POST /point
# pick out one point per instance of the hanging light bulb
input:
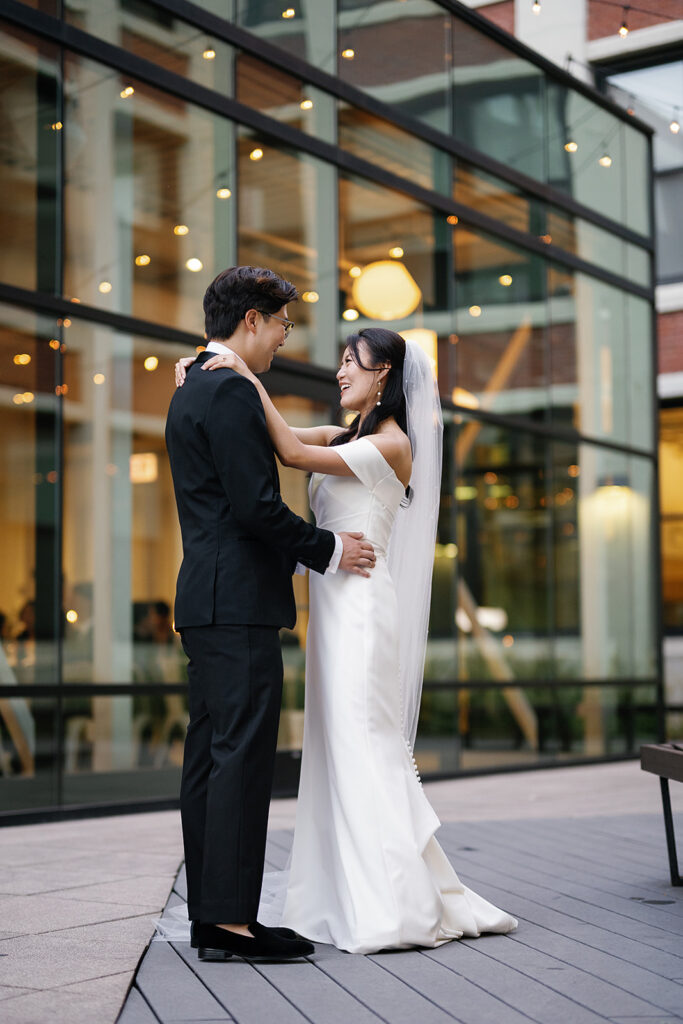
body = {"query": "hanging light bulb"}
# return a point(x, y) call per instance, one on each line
point(623, 28)
point(536, 7)
point(675, 125)
point(605, 160)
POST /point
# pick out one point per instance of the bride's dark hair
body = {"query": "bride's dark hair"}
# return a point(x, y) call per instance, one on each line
point(383, 346)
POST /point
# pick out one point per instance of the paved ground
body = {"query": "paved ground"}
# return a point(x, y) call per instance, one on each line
point(576, 854)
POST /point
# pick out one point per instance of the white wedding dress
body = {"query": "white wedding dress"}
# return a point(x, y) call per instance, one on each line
point(366, 871)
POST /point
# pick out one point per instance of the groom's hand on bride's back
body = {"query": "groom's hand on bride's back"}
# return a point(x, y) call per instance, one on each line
point(358, 555)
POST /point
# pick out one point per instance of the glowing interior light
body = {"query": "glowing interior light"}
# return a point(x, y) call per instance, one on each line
point(194, 264)
point(474, 311)
point(209, 54)
point(571, 147)
point(104, 287)
point(128, 91)
point(181, 229)
point(223, 193)
point(350, 314)
point(348, 53)
point(151, 363)
point(256, 154)
point(143, 261)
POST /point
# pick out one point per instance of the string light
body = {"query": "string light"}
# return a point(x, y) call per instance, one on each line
point(310, 296)
point(181, 229)
point(350, 314)
point(289, 13)
point(306, 104)
point(675, 124)
point(605, 160)
point(474, 311)
point(143, 261)
point(348, 53)
point(571, 147)
point(623, 28)
point(104, 287)
point(22, 359)
point(128, 91)
point(194, 264)
point(536, 7)
point(151, 363)
point(223, 193)
point(355, 272)
point(209, 55)
point(452, 219)
point(256, 154)
point(396, 252)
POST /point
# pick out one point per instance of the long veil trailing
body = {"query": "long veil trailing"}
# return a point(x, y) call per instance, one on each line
point(411, 549)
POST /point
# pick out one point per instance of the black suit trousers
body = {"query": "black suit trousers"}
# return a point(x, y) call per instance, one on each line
point(235, 691)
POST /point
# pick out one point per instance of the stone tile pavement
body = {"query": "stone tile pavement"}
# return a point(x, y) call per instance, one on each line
point(577, 854)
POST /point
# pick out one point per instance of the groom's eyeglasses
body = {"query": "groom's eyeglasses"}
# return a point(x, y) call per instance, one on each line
point(289, 324)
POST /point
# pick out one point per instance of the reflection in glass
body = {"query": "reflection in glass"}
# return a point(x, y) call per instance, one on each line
point(393, 266)
point(147, 169)
point(601, 356)
point(399, 54)
point(121, 543)
point(303, 29)
point(393, 149)
point(273, 92)
point(287, 216)
point(586, 153)
point(671, 499)
point(29, 485)
point(500, 326)
point(498, 101)
point(155, 34)
point(123, 748)
point(28, 751)
point(29, 152)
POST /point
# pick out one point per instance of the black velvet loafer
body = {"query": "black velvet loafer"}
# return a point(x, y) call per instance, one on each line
point(217, 944)
point(285, 933)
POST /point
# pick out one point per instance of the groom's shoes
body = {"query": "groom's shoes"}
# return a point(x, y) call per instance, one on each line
point(285, 933)
point(218, 944)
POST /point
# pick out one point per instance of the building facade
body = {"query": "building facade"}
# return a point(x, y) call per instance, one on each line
point(403, 162)
point(634, 55)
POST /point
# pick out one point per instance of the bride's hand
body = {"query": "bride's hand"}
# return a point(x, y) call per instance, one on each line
point(181, 368)
point(233, 362)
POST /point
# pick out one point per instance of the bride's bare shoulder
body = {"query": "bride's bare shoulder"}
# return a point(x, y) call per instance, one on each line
point(395, 447)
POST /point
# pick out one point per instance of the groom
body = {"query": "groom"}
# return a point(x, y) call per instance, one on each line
point(241, 544)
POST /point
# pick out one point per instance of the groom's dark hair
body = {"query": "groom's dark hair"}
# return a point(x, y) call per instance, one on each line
point(239, 289)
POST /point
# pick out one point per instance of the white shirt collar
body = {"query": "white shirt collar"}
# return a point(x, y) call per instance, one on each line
point(217, 346)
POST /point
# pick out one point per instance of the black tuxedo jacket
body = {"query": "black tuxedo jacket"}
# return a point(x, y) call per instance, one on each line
point(241, 542)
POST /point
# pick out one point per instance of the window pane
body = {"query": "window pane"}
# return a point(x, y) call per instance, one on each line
point(28, 749)
point(304, 29)
point(498, 101)
point(500, 326)
point(29, 496)
point(503, 535)
point(585, 152)
point(276, 94)
point(393, 268)
point(123, 748)
point(287, 221)
point(29, 149)
point(603, 564)
point(498, 198)
point(155, 34)
point(392, 149)
point(400, 55)
point(121, 537)
point(589, 355)
point(145, 227)
point(671, 498)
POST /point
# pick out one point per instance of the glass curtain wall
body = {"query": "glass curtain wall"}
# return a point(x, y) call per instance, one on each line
point(122, 196)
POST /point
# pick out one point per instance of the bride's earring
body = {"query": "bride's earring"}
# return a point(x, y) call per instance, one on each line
point(379, 396)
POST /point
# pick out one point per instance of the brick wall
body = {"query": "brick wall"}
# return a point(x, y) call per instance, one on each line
point(501, 14)
point(670, 330)
point(604, 20)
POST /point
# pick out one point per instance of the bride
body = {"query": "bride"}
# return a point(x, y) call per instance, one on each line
point(366, 871)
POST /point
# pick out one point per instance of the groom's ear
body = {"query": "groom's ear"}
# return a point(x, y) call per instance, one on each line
point(251, 320)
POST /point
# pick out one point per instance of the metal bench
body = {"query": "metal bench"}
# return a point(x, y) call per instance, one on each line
point(666, 760)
